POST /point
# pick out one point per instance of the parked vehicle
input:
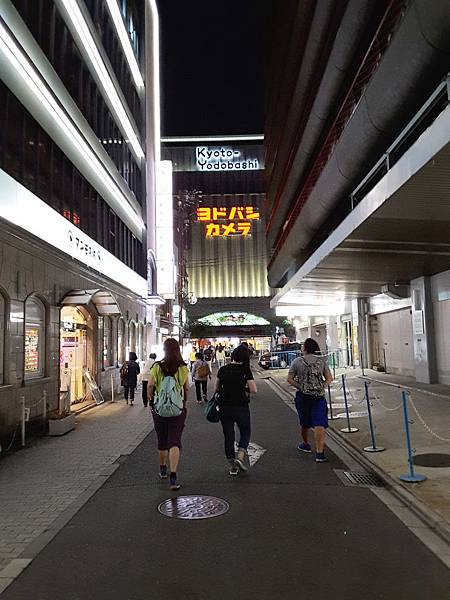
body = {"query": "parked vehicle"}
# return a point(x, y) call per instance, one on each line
point(279, 358)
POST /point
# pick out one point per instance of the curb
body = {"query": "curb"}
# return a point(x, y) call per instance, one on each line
point(423, 512)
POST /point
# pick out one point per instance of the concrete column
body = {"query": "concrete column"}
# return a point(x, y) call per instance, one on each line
point(423, 330)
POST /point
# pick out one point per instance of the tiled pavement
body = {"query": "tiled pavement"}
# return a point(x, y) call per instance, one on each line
point(51, 476)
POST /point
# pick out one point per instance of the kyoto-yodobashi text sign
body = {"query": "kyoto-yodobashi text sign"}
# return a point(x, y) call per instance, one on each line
point(227, 221)
point(223, 159)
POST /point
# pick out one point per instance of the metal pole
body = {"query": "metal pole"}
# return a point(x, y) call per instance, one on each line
point(44, 409)
point(112, 388)
point(362, 363)
point(333, 360)
point(384, 360)
point(331, 417)
point(373, 447)
point(22, 420)
point(411, 477)
point(349, 428)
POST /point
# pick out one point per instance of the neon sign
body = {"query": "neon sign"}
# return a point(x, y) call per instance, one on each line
point(223, 159)
point(227, 221)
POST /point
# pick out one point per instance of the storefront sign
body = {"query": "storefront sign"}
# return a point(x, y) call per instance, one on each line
point(227, 221)
point(223, 159)
point(22, 208)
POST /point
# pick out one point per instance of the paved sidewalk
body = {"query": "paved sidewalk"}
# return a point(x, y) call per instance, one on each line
point(433, 409)
point(41, 483)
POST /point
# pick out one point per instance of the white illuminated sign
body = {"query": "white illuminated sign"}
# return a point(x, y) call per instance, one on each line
point(164, 230)
point(22, 208)
point(223, 159)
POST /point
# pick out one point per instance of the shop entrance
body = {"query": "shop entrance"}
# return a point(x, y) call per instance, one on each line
point(73, 354)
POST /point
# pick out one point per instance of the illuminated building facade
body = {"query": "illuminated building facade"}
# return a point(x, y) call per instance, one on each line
point(79, 141)
point(219, 195)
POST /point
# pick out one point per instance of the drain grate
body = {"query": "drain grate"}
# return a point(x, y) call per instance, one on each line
point(358, 478)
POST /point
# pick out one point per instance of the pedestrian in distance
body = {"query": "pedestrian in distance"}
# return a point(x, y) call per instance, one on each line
point(201, 371)
point(192, 359)
point(208, 355)
point(168, 388)
point(129, 376)
point(309, 374)
point(234, 384)
point(220, 356)
point(145, 375)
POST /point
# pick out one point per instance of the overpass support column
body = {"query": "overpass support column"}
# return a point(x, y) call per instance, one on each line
point(423, 330)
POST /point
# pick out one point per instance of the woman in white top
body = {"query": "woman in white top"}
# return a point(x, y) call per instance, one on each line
point(220, 356)
point(145, 376)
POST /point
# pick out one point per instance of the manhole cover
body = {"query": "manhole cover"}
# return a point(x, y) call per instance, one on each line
point(432, 460)
point(358, 478)
point(193, 507)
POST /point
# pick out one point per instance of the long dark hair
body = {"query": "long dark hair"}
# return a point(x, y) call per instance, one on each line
point(172, 360)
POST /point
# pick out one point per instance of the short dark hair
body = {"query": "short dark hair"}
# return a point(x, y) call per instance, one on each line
point(245, 344)
point(152, 355)
point(132, 356)
point(239, 354)
point(311, 346)
point(199, 355)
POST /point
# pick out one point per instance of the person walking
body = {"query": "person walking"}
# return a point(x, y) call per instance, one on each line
point(200, 373)
point(220, 356)
point(234, 384)
point(208, 355)
point(309, 374)
point(145, 375)
point(168, 389)
point(128, 376)
point(192, 359)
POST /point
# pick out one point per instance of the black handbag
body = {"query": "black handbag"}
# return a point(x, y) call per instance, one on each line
point(212, 411)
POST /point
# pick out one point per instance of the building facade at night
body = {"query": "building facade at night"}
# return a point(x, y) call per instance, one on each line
point(219, 195)
point(358, 163)
point(79, 139)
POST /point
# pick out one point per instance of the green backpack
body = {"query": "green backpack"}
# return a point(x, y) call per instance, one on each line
point(169, 399)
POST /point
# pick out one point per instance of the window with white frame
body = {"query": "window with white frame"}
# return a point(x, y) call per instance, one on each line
point(34, 338)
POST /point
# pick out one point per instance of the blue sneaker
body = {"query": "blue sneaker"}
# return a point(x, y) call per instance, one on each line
point(304, 447)
point(320, 457)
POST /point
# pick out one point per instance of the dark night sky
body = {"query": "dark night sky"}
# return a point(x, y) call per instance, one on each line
point(212, 60)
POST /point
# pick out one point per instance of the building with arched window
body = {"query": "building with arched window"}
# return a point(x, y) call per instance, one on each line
point(79, 150)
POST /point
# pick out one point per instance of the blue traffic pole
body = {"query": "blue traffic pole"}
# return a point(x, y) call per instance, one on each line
point(373, 447)
point(411, 477)
point(349, 428)
point(331, 417)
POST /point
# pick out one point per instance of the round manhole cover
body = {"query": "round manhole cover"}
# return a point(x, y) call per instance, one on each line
point(193, 507)
point(432, 460)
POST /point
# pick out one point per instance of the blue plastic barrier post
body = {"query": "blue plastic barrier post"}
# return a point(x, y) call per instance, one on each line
point(331, 417)
point(349, 428)
point(411, 477)
point(373, 447)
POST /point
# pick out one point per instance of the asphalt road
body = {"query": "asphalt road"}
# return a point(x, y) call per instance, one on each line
point(293, 531)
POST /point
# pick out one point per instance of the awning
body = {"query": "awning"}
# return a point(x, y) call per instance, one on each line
point(104, 301)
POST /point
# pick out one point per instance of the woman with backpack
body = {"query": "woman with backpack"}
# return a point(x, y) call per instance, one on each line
point(200, 373)
point(309, 374)
point(169, 380)
point(234, 384)
point(128, 376)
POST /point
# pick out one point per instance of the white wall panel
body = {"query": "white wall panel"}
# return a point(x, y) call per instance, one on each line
point(395, 337)
point(442, 334)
